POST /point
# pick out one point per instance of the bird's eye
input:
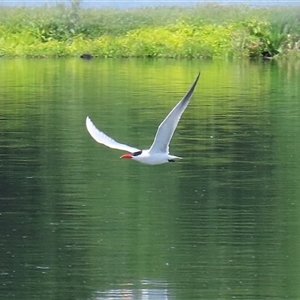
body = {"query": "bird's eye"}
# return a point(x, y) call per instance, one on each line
point(137, 153)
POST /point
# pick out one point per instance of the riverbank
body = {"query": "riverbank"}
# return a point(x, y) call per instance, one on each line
point(202, 31)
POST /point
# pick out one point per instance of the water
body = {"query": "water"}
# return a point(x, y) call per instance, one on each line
point(76, 222)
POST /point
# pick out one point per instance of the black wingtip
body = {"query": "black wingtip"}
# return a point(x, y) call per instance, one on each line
point(195, 82)
point(191, 90)
point(196, 79)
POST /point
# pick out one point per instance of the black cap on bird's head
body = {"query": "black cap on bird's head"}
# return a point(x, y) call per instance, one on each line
point(130, 155)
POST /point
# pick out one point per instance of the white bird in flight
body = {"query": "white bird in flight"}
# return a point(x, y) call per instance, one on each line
point(158, 153)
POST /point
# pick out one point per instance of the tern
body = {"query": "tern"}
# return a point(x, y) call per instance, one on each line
point(158, 153)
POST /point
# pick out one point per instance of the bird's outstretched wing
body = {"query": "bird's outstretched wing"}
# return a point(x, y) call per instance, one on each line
point(102, 138)
point(167, 127)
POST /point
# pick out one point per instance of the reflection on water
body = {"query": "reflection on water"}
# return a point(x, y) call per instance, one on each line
point(144, 293)
point(76, 222)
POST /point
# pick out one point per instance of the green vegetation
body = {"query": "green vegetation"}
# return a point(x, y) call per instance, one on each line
point(203, 31)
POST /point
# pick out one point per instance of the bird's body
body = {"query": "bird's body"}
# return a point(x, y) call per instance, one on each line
point(158, 153)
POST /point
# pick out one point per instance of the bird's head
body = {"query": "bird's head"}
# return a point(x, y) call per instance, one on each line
point(132, 155)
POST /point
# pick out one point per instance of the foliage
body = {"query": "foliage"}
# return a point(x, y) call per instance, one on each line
point(203, 31)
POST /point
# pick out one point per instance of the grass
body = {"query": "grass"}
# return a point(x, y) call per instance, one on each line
point(203, 31)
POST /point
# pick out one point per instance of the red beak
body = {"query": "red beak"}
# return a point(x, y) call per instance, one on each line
point(126, 156)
